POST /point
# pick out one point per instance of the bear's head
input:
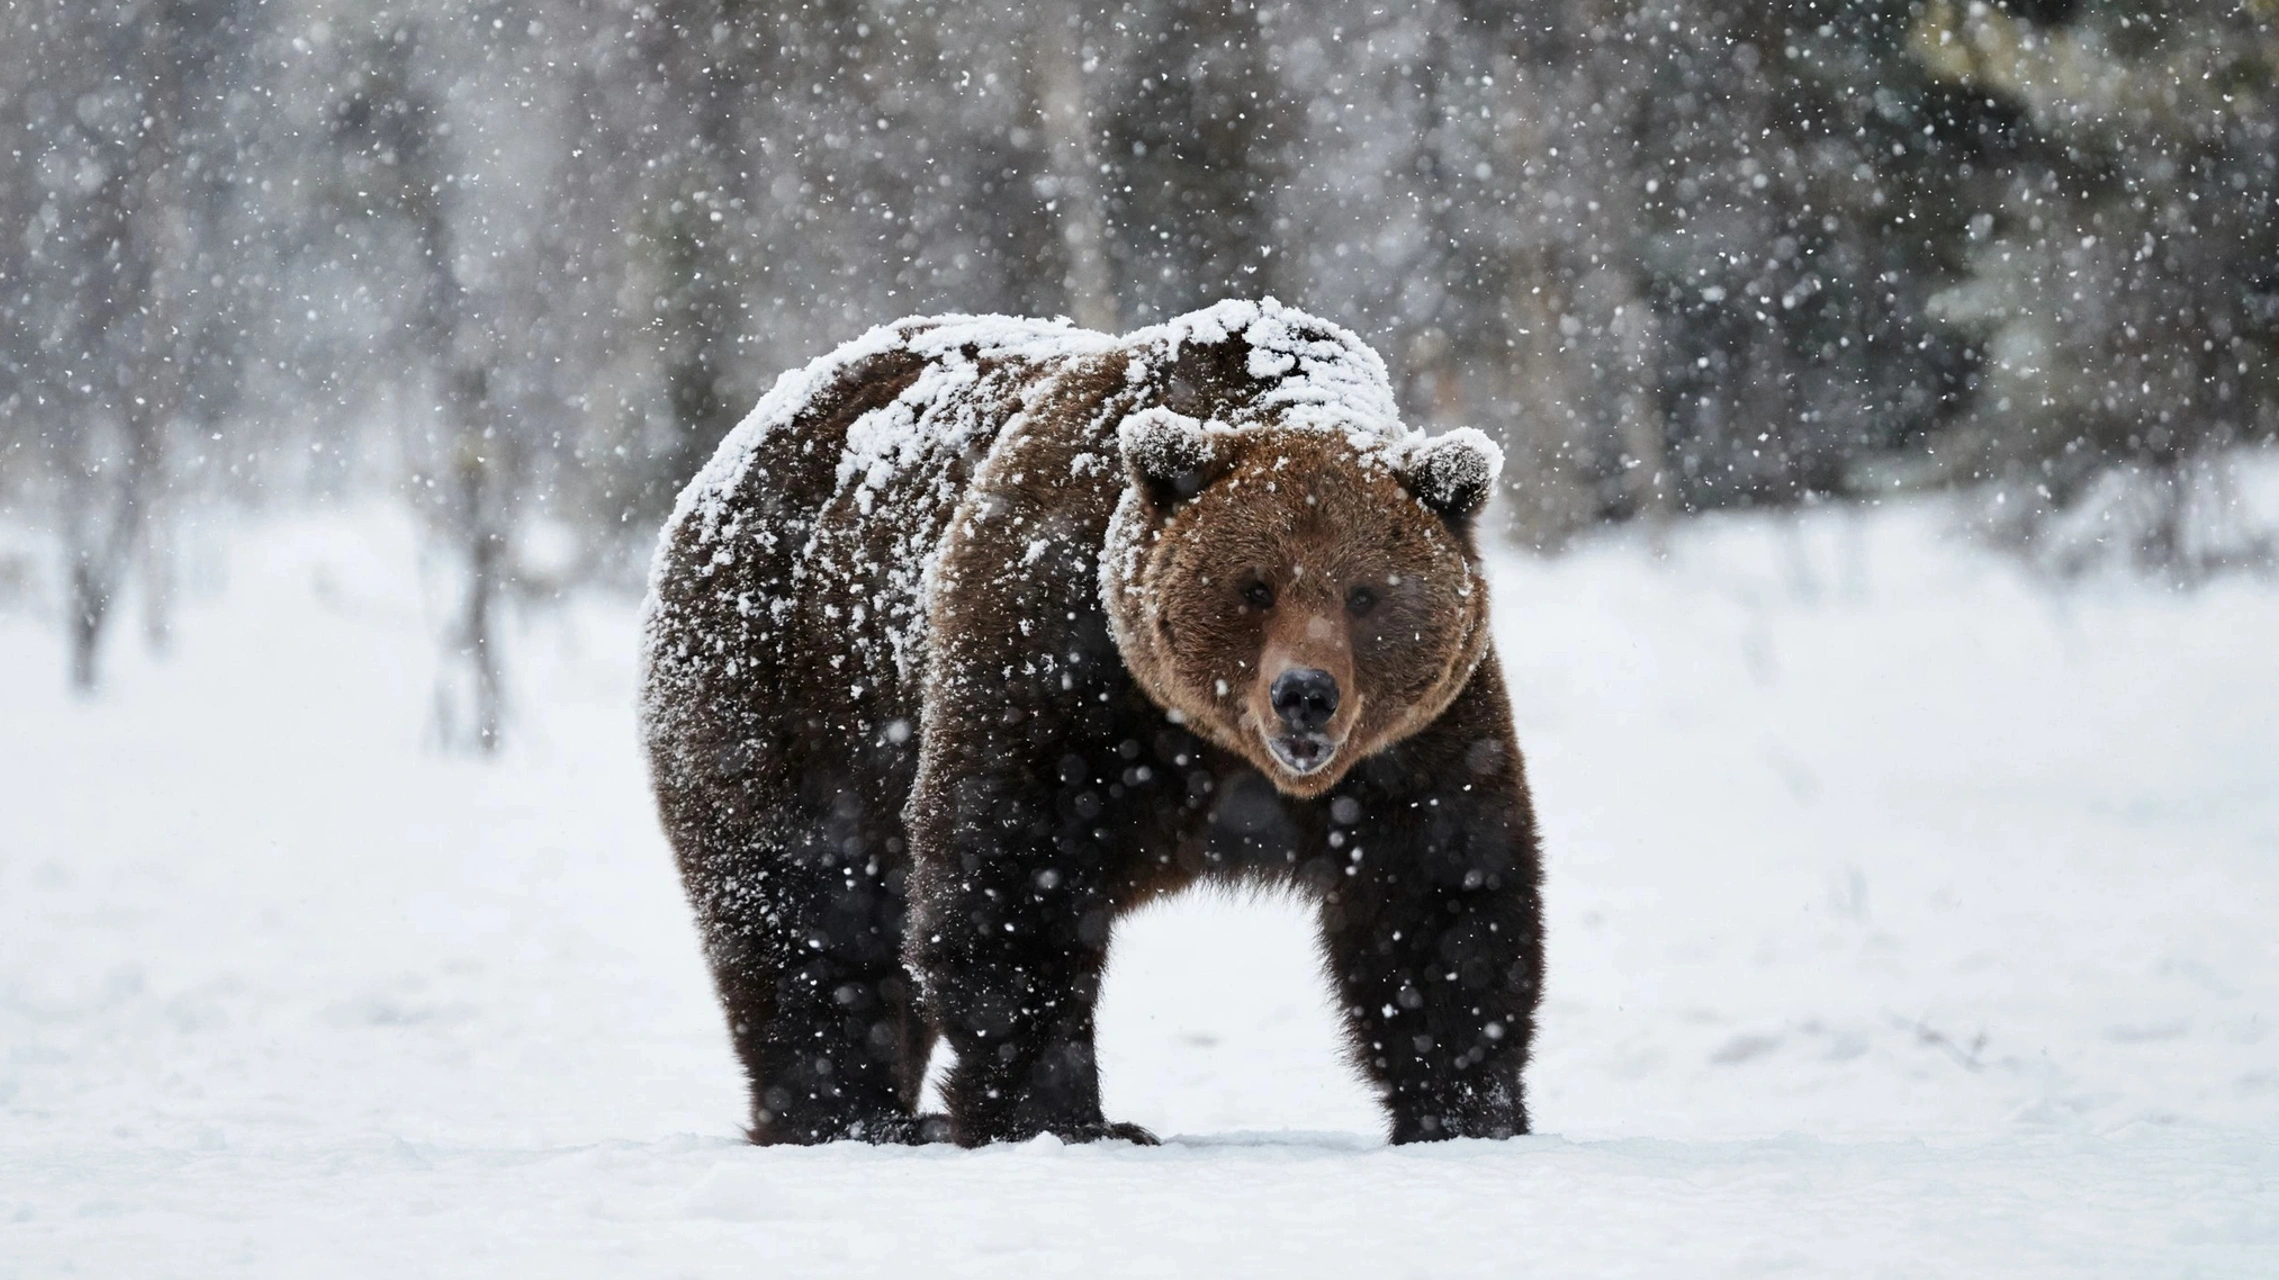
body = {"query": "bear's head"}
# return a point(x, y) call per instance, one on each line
point(1297, 594)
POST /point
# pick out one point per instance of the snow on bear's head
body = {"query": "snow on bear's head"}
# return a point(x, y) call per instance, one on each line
point(1300, 591)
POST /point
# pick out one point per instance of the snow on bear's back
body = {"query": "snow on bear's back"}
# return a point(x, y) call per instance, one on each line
point(953, 345)
point(1312, 375)
point(1317, 375)
point(1321, 375)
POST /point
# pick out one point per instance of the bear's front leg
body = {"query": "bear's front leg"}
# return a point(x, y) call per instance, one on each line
point(1433, 930)
point(1009, 936)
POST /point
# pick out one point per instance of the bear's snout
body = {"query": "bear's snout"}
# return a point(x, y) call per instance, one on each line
point(1304, 698)
point(1303, 753)
point(1305, 702)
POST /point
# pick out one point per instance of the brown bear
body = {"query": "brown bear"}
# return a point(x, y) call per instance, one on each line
point(979, 632)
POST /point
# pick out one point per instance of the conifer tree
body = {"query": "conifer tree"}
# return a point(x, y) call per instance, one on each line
point(2127, 278)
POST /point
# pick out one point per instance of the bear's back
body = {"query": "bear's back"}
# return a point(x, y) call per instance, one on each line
point(793, 571)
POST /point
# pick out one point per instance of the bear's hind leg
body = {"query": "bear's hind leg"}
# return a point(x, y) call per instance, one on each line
point(822, 1014)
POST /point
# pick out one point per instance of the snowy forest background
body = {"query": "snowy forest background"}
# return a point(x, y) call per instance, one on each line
point(523, 263)
point(1884, 584)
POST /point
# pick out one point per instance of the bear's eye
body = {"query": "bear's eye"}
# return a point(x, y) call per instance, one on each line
point(1359, 601)
point(1258, 595)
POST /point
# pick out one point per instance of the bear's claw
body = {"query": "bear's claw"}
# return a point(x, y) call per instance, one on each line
point(1106, 1129)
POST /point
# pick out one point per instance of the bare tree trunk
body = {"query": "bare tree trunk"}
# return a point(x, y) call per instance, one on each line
point(129, 328)
point(156, 570)
point(2161, 546)
point(1550, 501)
point(708, 68)
point(473, 465)
point(106, 518)
point(483, 543)
point(87, 583)
point(1074, 157)
point(98, 560)
point(702, 343)
point(85, 596)
point(1640, 426)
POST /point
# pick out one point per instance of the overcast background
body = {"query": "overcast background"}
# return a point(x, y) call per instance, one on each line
point(520, 265)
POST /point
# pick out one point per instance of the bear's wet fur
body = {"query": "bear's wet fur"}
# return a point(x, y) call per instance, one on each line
point(980, 633)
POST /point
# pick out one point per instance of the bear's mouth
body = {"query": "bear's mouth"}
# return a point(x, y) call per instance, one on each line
point(1303, 753)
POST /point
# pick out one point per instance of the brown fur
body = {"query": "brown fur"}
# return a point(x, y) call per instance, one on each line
point(1302, 515)
point(973, 807)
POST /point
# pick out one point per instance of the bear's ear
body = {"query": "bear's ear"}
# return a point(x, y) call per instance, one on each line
point(1170, 455)
point(1203, 379)
point(1453, 474)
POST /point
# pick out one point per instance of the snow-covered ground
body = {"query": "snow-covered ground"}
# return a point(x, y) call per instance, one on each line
point(1907, 918)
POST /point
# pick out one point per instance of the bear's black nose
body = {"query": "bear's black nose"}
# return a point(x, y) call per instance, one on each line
point(1305, 698)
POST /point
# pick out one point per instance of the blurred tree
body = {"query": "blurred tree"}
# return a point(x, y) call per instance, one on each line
point(394, 132)
point(1677, 254)
point(117, 103)
point(1806, 187)
point(1194, 117)
point(705, 63)
point(2127, 278)
point(1072, 188)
